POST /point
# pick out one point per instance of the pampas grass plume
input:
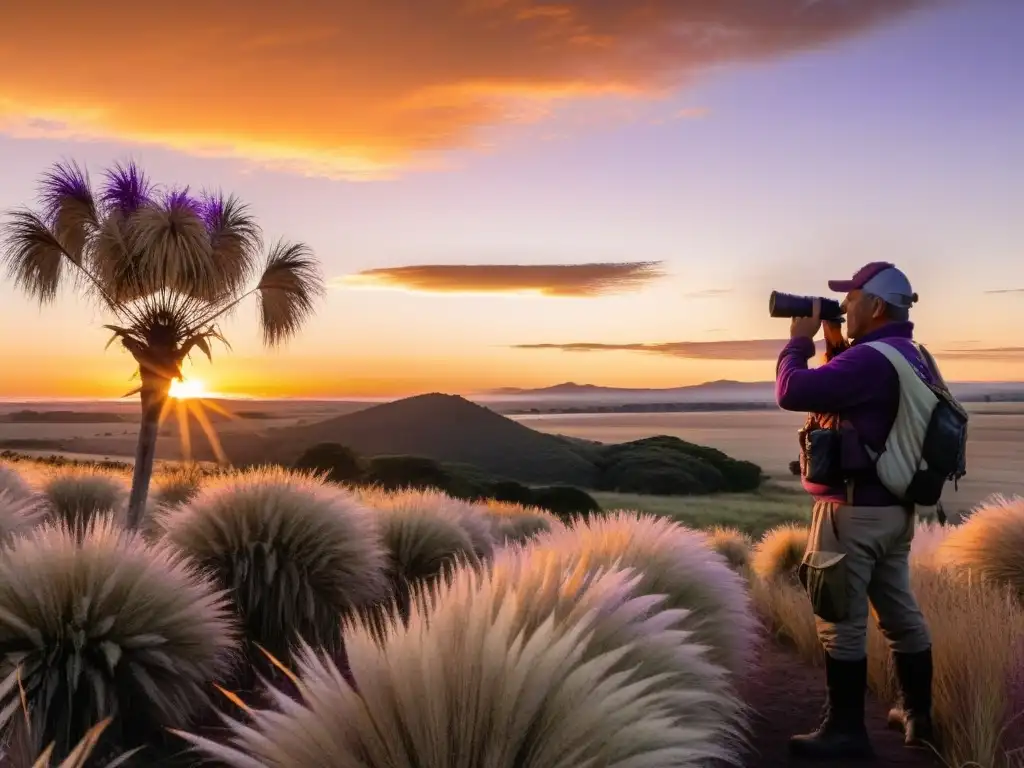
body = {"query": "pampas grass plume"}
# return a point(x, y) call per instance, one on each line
point(97, 623)
point(77, 494)
point(13, 483)
point(989, 544)
point(423, 532)
point(516, 523)
point(733, 545)
point(779, 552)
point(520, 666)
point(674, 561)
point(18, 514)
point(295, 553)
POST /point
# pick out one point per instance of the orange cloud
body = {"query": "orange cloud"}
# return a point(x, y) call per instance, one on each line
point(353, 88)
point(572, 280)
point(744, 349)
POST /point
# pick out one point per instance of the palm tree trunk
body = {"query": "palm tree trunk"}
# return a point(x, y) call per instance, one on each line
point(154, 393)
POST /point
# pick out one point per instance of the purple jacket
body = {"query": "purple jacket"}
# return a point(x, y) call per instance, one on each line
point(861, 386)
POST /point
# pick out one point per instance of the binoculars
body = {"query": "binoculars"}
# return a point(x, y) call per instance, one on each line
point(789, 305)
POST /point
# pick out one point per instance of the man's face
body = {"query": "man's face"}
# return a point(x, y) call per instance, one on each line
point(860, 311)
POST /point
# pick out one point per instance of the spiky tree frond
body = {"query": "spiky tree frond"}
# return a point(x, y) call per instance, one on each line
point(288, 288)
point(34, 257)
point(166, 264)
point(235, 239)
point(69, 209)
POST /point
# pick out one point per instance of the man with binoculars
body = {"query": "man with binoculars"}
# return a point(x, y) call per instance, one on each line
point(882, 436)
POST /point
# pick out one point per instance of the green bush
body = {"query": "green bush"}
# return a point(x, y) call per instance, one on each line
point(392, 473)
point(511, 492)
point(668, 466)
point(565, 501)
point(340, 463)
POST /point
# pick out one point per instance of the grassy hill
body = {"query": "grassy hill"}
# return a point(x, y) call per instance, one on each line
point(445, 428)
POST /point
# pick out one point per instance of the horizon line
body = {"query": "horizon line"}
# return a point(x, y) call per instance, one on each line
point(492, 392)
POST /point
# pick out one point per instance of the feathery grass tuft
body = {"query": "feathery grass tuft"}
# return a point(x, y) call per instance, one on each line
point(733, 545)
point(12, 482)
point(990, 544)
point(673, 561)
point(779, 552)
point(516, 523)
point(528, 665)
point(479, 528)
point(423, 533)
point(77, 494)
point(18, 514)
point(295, 553)
point(175, 487)
point(104, 624)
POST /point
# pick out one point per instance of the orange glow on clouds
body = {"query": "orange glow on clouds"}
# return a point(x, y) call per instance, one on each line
point(359, 89)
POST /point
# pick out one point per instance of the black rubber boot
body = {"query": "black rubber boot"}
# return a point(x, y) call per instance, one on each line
point(842, 735)
point(913, 714)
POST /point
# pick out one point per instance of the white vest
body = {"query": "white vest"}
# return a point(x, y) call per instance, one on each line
point(901, 459)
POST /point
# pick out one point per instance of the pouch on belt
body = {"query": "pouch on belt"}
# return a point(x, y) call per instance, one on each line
point(823, 576)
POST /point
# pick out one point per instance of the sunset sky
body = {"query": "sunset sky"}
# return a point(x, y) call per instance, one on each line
point(520, 193)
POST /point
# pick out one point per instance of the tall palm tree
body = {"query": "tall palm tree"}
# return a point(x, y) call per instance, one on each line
point(167, 265)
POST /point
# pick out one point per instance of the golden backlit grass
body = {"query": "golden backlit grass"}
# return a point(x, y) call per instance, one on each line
point(977, 629)
point(779, 552)
point(733, 545)
point(990, 544)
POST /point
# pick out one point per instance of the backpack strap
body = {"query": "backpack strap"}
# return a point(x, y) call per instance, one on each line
point(917, 398)
point(909, 377)
point(932, 366)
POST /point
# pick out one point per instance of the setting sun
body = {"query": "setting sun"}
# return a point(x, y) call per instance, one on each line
point(185, 389)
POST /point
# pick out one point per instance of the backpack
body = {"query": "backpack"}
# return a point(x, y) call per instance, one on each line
point(927, 444)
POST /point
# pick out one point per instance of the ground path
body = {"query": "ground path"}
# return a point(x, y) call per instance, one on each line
point(785, 695)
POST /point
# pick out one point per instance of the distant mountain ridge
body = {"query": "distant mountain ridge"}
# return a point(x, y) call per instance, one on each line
point(571, 388)
point(726, 390)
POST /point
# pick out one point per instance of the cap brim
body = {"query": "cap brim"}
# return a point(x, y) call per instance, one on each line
point(841, 286)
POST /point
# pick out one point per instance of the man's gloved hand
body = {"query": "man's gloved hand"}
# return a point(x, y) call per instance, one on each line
point(806, 326)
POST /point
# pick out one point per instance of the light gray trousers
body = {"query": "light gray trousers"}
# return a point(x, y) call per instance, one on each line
point(876, 542)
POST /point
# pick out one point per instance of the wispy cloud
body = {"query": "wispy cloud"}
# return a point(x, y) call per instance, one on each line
point(739, 349)
point(992, 354)
point(567, 280)
point(354, 89)
point(1007, 290)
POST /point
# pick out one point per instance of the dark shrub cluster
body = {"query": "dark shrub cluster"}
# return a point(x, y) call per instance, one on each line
point(668, 466)
point(341, 464)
